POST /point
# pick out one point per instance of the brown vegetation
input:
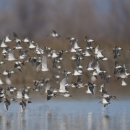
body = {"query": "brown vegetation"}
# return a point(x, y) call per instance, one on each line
point(36, 18)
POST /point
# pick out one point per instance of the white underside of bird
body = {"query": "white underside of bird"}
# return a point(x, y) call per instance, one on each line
point(104, 101)
point(123, 83)
point(76, 72)
point(88, 91)
point(73, 50)
point(1, 82)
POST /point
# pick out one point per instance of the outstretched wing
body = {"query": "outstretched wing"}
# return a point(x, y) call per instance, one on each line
point(44, 62)
point(54, 31)
point(47, 87)
point(37, 46)
point(90, 64)
point(15, 35)
point(63, 84)
point(96, 49)
point(11, 54)
point(91, 87)
point(38, 66)
point(76, 44)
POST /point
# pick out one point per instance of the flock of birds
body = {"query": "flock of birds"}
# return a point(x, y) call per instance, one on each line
point(40, 61)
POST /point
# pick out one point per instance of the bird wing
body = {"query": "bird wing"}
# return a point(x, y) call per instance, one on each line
point(37, 46)
point(47, 87)
point(76, 44)
point(62, 84)
point(91, 87)
point(96, 49)
point(15, 35)
point(11, 54)
point(99, 54)
point(44, 62)
point(89, 64)
point(54, 31)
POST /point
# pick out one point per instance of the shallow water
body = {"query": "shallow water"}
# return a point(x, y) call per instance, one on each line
point(67, 115)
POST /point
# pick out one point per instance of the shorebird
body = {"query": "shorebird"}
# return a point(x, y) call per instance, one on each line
point(11, 90)
point(66, 73)
point(88, 40)
point(54, 34)
point(23, 54)
point(103, 90)
point(116, 51)
point(18, 65)
point(38, 84)
point(71, 39)
point(117, 67)
point(22, 97)
point(7, 72)
point(56, 77)
point(122, 73)
point(90, 89)
point(98, 54)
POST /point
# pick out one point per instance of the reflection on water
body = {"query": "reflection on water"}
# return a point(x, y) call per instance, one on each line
point(63, 115)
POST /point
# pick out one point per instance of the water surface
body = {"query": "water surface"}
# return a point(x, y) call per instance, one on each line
point(67, 115)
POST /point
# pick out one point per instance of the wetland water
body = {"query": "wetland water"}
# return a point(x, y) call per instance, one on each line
point(67, 115)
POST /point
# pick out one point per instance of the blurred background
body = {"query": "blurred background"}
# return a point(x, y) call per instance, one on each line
point(107, 22)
